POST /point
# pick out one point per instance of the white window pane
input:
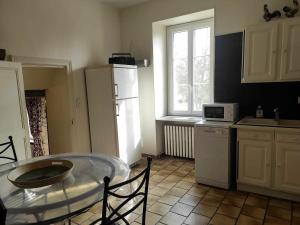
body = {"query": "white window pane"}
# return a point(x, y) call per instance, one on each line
point(180, 45)
point(201, 68)
point(201, 95)
point(202, 42)
point(180, 85)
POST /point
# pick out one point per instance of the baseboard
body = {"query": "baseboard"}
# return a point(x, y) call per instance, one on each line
point(153, 156)
point(268, 192)
point(161, 155)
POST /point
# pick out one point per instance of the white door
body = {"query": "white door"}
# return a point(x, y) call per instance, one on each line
point(260, 53)
point(290, 55)
point(128, 129)
point(288, 167)
point(13, 116)
point(125, 83)
point(255, 162)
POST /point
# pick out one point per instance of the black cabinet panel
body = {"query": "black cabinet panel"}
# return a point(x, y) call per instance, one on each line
point(228, 87)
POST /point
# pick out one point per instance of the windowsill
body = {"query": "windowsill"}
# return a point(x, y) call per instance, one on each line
point(181, 119)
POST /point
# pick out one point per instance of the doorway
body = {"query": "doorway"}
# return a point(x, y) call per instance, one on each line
point(47, 101)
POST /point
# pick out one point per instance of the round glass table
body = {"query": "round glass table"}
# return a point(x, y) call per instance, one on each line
point(54, 203)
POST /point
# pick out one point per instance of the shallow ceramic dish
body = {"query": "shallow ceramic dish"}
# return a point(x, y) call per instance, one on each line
point(41, 173)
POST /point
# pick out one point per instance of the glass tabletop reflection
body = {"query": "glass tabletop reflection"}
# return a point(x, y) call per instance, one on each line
point(53, 203)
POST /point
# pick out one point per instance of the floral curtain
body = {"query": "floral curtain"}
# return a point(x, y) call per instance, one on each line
point(36, 107)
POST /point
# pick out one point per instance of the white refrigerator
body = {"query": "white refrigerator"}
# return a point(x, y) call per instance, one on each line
point(114, 116)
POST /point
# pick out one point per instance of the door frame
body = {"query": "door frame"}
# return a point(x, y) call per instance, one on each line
point(31, 62)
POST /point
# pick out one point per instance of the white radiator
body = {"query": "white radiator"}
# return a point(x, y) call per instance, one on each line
point(179, 141)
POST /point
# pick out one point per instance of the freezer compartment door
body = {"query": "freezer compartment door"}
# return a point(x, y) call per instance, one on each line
point(128, 129)
point(125, 83)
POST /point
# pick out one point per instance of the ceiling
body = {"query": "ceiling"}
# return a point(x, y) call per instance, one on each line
point(123, 3)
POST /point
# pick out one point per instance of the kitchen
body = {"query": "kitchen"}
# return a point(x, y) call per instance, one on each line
point(240, 75)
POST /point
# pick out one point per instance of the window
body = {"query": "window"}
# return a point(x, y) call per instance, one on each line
point(190, 67)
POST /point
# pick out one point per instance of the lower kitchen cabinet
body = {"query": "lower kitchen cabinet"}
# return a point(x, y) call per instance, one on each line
point(269, 159)
point(255, 162)
point(287, 172)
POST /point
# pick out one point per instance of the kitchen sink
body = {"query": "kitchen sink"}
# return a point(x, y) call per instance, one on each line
point(269, 122)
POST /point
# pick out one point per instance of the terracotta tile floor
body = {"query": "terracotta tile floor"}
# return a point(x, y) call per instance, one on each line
point(175, 198)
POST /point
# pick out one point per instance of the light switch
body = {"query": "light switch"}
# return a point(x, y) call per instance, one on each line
point(298, 100)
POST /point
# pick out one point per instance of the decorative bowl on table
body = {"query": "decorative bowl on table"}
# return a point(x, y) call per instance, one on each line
point(41, 173)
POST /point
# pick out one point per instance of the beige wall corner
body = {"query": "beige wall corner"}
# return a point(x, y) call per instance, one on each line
point(84, 32)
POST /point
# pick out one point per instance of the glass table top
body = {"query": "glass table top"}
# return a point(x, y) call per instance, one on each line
point(53, 203)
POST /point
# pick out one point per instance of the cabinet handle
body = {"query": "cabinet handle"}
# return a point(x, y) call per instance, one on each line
point(278, 163)
point(116, 90)
point(117, 110)
point(268, 159)
point(237, 160)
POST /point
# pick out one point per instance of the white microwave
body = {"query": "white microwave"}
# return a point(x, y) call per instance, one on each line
point(221, 111)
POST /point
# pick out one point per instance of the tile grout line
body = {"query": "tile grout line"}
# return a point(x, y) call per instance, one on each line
point(217, 209)
point(237, 219)
point(177, 201)
point(192, 211)
point(268, 204)
point(188, 178)
point(169, 190)
point(292, 213)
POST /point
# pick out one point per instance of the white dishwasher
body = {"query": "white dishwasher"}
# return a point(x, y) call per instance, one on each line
point(213, 156)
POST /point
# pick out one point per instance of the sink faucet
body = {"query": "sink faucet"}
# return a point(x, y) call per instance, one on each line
point(276, 111)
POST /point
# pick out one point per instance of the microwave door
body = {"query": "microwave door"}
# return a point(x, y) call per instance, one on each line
point(216, 113)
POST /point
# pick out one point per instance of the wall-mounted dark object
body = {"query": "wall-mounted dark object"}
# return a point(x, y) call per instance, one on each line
point(268, 16)
point(289, 11)
point(122, 58)
point(2, 54)
point(228, 87)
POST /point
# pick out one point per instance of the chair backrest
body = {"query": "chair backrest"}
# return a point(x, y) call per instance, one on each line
point(3, 212)
point(115, 214)
point(8, 145)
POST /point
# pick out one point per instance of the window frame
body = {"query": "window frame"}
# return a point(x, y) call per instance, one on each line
point(189, 27)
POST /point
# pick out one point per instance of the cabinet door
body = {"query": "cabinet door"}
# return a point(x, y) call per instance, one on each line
point(287, 167)
point(260, 52)
point(290, 53)
point(255, 163)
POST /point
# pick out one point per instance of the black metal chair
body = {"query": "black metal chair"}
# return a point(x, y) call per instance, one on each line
point(115, 214)
point(3, 212)
point(7, 145)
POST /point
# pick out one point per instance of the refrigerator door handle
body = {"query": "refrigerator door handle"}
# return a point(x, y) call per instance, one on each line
point(116, 89)
point(117, 110)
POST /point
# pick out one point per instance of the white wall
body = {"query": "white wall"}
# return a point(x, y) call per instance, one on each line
point(136, 32)
point(83, 31)
point(39, 78)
